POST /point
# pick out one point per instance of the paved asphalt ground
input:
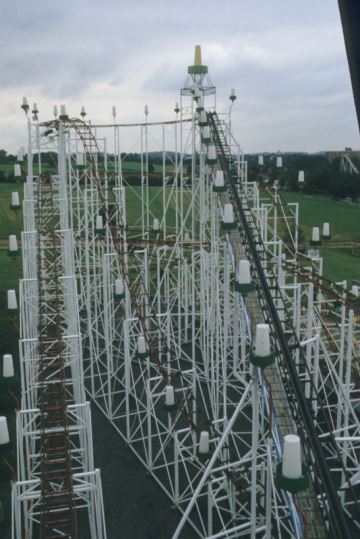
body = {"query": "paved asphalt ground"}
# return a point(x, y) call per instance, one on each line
point(135, 506)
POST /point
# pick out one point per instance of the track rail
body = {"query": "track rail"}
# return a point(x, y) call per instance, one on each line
point(57, 508)
point(123, 245)
point(315, 449)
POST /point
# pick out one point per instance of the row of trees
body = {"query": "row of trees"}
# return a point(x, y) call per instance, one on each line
point(50, 159)
point(7, 158)
point(321, 176)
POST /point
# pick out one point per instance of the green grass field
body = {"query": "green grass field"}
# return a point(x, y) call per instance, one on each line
point(9, 335)
point(344, 219)
point(10, 221)
point(7, 168)
point(127, 167)
point(133, 206)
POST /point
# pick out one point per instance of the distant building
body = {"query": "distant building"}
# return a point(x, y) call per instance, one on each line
point(330, 156)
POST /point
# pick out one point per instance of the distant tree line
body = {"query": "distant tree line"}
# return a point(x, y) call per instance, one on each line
point(7, 158)
point(50, 159)
point(7, 173)
point(321, 176)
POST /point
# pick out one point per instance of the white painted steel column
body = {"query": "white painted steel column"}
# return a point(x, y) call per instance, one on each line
point(211, 463)
point(254, 449)
point(309, 334)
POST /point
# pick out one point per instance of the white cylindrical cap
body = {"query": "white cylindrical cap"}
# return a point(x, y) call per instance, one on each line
point(63, 110)
point(141, 345)
point(4, 431)
point(326, 230)
point(291, 464)
point(8, 366)
point(15, 199)
point(243, 272)
point(212, 152)
point(262, 340)
point(232, 93)
point(279, 161)
point(228, 213)
point(355, 290)
point(35, 108)
point(20, 155)
point(219, 178)
point(83, 111)
point(301, 176)
point(13, 245)
point(25, 102)
point(113, 112)
point(260, 160)
point(156, 225)
point(17, 170)
point(187, 236)
point(99, 222)
point(169, 395)
point(202, 118)
point(200, 102)
point(55, 111)
point(11, 299)
point(80, 159)
point(315, 236)
point(197, 93)
point(119, 286)
point(204, 442)
point(206, 131)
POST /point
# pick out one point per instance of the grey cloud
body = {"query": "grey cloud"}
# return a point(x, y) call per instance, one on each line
point(54, 75)
point(296, 75)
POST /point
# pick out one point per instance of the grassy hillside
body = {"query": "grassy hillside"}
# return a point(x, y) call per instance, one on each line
point(344, 219)
point(133, 206)
point(10, 223)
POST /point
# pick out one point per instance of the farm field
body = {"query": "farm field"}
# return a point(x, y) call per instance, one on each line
point(127, 167)
point(10, 223)
point(344, 219)
point(133, 206)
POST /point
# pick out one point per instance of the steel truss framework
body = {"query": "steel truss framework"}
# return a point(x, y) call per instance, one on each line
point(59, 492)
point(178, 294)
point(326, 319)
point(314, 409)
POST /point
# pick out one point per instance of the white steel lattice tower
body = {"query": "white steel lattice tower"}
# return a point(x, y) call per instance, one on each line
point(58, 493)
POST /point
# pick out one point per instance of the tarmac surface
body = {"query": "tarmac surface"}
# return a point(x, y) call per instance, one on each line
point(135, 506)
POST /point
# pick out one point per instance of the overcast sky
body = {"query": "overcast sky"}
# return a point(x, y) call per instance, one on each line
point(285, 58)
